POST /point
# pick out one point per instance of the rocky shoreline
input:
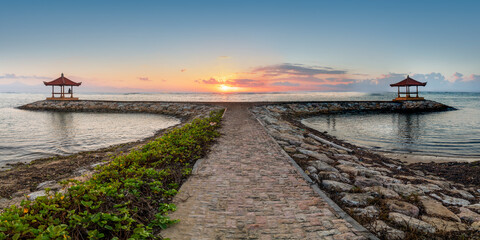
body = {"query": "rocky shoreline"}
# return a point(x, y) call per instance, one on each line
point(388, 197)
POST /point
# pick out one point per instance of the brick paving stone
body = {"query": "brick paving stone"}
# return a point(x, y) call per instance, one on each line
point(247, 189)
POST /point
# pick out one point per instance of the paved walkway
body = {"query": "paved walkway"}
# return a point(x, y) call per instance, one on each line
point(247, 189)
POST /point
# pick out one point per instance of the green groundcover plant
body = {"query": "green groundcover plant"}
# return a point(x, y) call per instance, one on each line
point(128, 198)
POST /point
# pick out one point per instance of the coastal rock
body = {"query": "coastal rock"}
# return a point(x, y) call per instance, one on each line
point(476, 226)
point(474, 207)
point(429, 187)
point(336, 176)
point(357, 170)
point(33, 195)
point(319, 156)
point(468, 215)
point(311, 169)
point(435, 208)
point(299, 156)
point(381, 191)
point(464, 194)
point(366, 182)
point(369, 212)
point(348, 169)
point(387, 179)
point(345, 157)
point(404, 189)
point(402, 207)
point(53, 185)
point(444, 226)
point(290, 149)
point(381, 227)
point(336, 186)
point(407, 221)
point(356, 199)
point(309, 147)
point(451, 200)
point(294, 140)
point(322, 166)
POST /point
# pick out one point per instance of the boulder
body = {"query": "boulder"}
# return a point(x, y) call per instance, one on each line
point(336, 186)
point(468, 215)
point(311, 169)
point(345, 157)
point(336, 176)
point(443, 225)
point(366, 182)
point(464, 194)
point(53, 185)
point(474, 207)
point(322, 166)
point(319, 156)
point(404, 189)
point(33, 195)
point(299, 156)
point(429, 187)
point(357, 199)
point(381, 191)
point(407, 221)
point(450, 200)
point(369, 212)
point(435, 208)
point(403, 207)
point(290, 149)
point(348, 169)
point(309, 147)
point(476, 226)
point(381, 228)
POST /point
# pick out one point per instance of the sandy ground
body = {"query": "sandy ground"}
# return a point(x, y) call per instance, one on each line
point(410, 158)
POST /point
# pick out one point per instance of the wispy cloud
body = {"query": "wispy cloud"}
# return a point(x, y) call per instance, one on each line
point(224, 57)
point(286, 84)
point(296, 70)
point(12, 76)
point(183, 70)
point(144, 79)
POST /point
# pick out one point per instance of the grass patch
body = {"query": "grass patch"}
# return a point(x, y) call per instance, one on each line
point(129, 198)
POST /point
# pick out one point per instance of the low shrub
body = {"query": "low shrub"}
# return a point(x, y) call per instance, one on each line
point(129, 198)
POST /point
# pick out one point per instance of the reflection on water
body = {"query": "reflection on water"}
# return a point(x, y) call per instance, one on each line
point(441, 133)
point(32, 135)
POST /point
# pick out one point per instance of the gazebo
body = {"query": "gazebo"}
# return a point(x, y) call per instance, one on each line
point(407, 95)
point(62, 82)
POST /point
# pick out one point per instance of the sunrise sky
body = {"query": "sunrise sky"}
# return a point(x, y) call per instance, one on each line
point(240, 46)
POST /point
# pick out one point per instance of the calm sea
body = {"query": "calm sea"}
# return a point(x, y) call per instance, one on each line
point(28, 135)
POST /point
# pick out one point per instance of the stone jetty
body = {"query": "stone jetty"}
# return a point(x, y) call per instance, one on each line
point(271, 177)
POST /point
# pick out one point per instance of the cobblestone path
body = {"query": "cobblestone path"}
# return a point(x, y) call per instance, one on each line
point(247, 189)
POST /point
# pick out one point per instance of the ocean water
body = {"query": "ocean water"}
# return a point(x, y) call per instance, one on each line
point(28, 135)
point(452, 133)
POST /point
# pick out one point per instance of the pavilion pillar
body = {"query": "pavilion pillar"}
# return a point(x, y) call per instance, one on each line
point(417, 91)
point(53, 91)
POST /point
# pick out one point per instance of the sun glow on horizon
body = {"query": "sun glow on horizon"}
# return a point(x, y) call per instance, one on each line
point(226, 88)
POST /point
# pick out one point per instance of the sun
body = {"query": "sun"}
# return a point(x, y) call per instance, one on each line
point(225, 88)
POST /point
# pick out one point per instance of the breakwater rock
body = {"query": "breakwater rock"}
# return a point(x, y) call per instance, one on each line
point(315, 108)
point(182, 110)
point(386, 196)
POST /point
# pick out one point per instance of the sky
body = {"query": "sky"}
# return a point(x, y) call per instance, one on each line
point(239, 46)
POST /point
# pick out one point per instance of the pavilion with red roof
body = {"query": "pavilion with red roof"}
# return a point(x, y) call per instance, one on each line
point(62, 82)
point(407, 95)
